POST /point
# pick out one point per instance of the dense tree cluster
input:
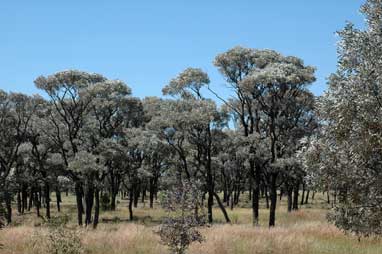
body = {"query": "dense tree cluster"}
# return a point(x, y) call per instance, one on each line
point(91, 137)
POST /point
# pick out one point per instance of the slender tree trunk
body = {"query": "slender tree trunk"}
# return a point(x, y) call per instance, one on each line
point(89, 199)
point(58, 199)
point(273, 197)
point(290, 198)
point(113, 200)
point(24, 198)
point(222, 208)
point(47, 200)
point(152, 192)
point(307, 197)
point(303, 194)
point(209, 204)
point(131, 196)
point(256, 195)
point(295, 196)
point(96, 209)
point(19, 202)
point(136, 195)
point(8, 206)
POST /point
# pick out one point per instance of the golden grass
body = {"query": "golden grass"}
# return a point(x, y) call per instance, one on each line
point(303, 232)
point(302, 238)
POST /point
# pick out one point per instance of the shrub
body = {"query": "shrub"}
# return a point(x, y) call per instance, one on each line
point(184, 215)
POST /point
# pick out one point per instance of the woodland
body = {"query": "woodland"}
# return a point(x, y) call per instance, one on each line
point(86, 167)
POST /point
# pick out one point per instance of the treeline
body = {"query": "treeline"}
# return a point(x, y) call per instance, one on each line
point(90, 136)
point(271, 137)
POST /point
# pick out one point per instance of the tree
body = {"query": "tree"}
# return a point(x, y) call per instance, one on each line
point(16, 113)
point(270, 100)
point(69, 105)
point(350, 146)
point(285, 107)
point(199, 122)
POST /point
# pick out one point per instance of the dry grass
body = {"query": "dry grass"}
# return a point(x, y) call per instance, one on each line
point(304, 238)
point(302, 232)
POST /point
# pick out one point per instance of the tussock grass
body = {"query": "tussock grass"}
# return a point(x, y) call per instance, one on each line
point(303, 232)
point(300, 238)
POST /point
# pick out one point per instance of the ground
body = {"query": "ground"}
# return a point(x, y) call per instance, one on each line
point(305, 231)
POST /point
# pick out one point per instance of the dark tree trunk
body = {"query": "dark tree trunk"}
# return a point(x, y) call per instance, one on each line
point(19, 202)
point(24, 198)
point(222, 208)
point(41, 197)
point(307, 197)
point(58, 199)
point(114, 188)
point(273, 197)
point(303, 195)
point(256, 195)
point(8, 207)
point(290, 198)
point(96, 209)
point(152, 189)
point(209, 204)
point(47, 200)
point(224, 194)
point(131, 199)
point(295, 196)
point(89, 199)
point(113, 201)
point(250, 188)
point(136, 195)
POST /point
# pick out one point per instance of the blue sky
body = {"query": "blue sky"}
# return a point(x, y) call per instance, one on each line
point(146, 43)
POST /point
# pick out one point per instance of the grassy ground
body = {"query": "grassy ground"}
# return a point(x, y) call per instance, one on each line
point(304, 231)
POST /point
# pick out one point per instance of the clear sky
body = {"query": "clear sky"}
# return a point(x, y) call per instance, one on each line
point(146, 43)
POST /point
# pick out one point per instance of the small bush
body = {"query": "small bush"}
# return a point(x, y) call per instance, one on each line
point(58, 239)
point(184, 215)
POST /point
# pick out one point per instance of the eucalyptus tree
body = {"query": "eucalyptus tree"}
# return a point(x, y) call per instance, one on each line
point(16, 113)
point(234, 163)
point(279, 89)
point(90, 168)
point(235, 65)
point(199, 122)
point(351, 109)
point(156, 161)
point(112, 109)
point(37, 153)
point(270, 97)
point(134, 171)
point(69, 104)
